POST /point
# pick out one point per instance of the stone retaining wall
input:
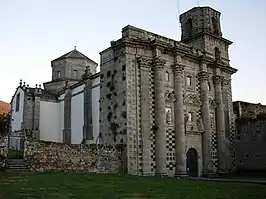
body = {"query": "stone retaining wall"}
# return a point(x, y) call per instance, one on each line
point(47, 156)
point(3, 151)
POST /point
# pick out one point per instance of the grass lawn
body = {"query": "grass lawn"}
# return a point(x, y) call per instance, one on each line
point(73, 185)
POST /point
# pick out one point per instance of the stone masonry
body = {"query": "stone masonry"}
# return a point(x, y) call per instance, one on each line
point(172, 96)
point(46, 157)
point(250, 136)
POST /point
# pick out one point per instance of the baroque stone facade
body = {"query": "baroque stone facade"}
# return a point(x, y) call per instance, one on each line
point(163, 97)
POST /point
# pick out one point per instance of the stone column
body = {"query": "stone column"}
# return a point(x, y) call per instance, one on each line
point(180, 137)
point(220, 124)
point(144, 65)
point(206, 137)
point(160, 126)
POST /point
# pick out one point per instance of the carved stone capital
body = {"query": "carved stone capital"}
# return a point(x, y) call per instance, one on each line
point(144, 62)
point(217, 79)
point(178, 69)
point(203, 76)
point(158, 63)
point(226, 82)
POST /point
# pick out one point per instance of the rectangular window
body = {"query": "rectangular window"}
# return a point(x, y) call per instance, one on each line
point(58, 74)
point(75, 74)
point(17, 102)
point(189, 81)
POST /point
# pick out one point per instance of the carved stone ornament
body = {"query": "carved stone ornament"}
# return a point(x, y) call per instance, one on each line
point(200, 124)
point(169, 97)
point(212, 103)
point(158, 63)
point(226, 82)
point(178, 68)
point(192, 100)
point(217, 79)
point(144, 62)
point(203, 76)
point(168, 117)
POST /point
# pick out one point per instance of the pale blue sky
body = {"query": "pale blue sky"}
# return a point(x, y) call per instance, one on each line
point(35, 32)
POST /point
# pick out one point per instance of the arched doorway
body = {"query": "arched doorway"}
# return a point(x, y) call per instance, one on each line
point(192, 162)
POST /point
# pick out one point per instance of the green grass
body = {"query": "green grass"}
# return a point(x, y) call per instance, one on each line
point(71, 185)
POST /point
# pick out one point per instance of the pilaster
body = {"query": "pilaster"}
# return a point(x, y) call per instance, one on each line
point(180, 137)
point(88, 127)
point(145, 65)
point(221, 140)
point(205, 111)
point(67, 116)
point(160, 126)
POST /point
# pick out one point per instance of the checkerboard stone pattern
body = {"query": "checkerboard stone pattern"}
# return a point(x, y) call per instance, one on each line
point(138, 128)
point(170, 151)
point(152, 119)
point(214, 150)
point(232, 127)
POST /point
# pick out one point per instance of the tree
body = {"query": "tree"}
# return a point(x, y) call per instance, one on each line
point(4, 123)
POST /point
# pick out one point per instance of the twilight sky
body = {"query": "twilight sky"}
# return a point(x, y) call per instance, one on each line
point(35, 32)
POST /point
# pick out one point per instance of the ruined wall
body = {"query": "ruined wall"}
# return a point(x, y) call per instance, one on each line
point(47, 156)
point(251, 144)
point(3, 151)
point(113, 112)
point(250, 136)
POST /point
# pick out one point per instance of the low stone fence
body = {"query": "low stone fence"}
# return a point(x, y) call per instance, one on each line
point(49, 156)
point(3, 152)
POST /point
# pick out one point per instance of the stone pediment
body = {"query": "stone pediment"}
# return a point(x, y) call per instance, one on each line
point(192, 100)
point(169, 96)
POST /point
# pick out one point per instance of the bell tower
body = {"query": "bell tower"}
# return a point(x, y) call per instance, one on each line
point(201, 29)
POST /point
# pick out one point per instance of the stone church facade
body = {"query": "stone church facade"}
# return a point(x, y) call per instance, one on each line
point(170, 102)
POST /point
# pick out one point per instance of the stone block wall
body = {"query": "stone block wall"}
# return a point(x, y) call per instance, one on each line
point(3, 151)
point(47, 156)
point(251, 144)
point(113, 110)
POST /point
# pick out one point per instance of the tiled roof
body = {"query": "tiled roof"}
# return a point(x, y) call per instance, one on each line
point(73, 54)
point(4, 107)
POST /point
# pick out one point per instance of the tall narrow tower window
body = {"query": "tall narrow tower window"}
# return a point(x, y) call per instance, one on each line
point(215, 26)
point(189, 27)
point(58, 74)
point(217, 54)
point(167, 77)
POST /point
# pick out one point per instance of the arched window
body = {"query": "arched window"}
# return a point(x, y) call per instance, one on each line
point(217, 54)
point(215, 26)
point(189, 27)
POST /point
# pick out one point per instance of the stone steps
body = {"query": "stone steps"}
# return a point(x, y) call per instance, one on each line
point(17, 165)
